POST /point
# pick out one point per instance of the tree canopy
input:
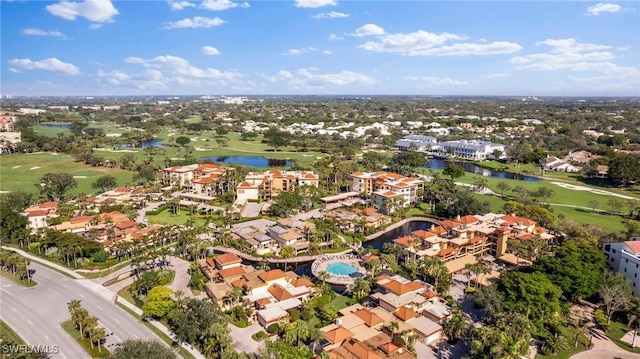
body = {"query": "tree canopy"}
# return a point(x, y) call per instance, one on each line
point(53, 186)
point(139, 349)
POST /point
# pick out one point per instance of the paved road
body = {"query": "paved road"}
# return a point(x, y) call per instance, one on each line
point(36, 313)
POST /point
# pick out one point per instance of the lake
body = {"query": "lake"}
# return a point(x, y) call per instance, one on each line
point(403, 230)
point(58, 125)
point(251, 161)
point(437, 163)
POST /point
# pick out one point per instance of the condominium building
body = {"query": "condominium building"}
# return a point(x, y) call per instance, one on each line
point(7, 123)
point(268, 184)
point(624, 258)
point(471, 150)
point(206, 179)
point(418, 143)
point(389, 190)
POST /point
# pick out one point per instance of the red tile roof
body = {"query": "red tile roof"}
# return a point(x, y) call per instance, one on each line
point(231, 272)
point(370, 319)
point(338, 335)
point(279, 293)
point(406, 313)
point(39, 213)
point(227, 259)
point(634, 245)
point(271, 275)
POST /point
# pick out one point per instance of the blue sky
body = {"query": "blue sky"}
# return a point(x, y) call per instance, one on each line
point(221, 47)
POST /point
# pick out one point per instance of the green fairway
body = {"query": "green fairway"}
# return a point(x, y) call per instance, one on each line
point(21, 172)
point(193, 119)
point(50, 130)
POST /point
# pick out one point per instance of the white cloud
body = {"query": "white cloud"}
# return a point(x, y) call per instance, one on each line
point(309, 79)
point(315, 3)
point(285, 74)
point(567, 54)
point(333, 36)
point(180, 5)
point(196, 22)
point(368, 30)
point(40, 32)
point(94, 10)
point(180, 67)
point(327, 52)
point(331, 15)
point(95, 26)
point(439, 81)
point(299, 51)
point(146, 80)
point(424, 43)
point(221, 5)
point(14, 70)
point(602, 7)
point(497, 76)
point(210, 50)
point(51, 64)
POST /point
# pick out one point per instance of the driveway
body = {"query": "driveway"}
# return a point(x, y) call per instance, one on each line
point(242, 340)
point(251, 210)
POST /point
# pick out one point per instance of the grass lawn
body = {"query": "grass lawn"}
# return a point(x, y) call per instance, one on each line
point(193, 119)
point(21, 172)
point(50, 131)
point(107, 127)
point(10, 334)
point(339, 302)
point(104, 272)
point(95, 351)
point(16, 280)
point(616, 332)
point(167, 218)
point(583, 343)
point(124, 293)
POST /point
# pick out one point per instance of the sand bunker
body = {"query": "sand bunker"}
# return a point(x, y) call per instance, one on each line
point(592, 190)
point(14, 167)
point(33, 168)
point(79, 176)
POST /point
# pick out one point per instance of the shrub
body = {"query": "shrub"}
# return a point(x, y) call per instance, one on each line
point(397, 340)
point(273, 328)
point(294, 314)
point(100, 256)
point(165, 277)
point(601, 319)
point(259, 336)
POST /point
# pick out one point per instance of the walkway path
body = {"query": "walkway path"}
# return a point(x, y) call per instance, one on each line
point(589, 189)
point(253, 258)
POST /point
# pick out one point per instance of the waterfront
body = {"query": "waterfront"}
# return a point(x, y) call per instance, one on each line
point(250, 161)
point(379, 239)
point(439, 163)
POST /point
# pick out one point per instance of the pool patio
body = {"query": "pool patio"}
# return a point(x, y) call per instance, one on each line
point(322, 264)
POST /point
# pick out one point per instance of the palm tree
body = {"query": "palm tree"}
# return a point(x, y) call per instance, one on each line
point(634, 320)
point(286, 252)
point(578, 328)
point(97, 335)
point(455, 326)
point(393, 326)
point(556, 343)
point(90, 323)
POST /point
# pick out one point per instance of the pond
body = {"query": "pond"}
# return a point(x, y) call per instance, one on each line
point(251, 161)
point(403, 230)
point(156, 142)
point(437, 163)
point(58, 125)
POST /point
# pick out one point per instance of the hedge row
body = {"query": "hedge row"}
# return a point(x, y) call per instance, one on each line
point(160, 209)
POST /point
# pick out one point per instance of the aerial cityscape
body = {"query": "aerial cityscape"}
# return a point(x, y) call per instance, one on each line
point(319, 179)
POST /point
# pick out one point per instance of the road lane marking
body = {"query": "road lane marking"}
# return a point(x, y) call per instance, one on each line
point(4, 290)
point(30, 322)
point(81, 295)
point(14, 309)
point(117, 321)
point(137, 337)
point(45, 336)
point(64, 356)
point(99, 307)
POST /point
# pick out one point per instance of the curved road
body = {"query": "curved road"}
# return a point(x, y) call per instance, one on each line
point(36, 313)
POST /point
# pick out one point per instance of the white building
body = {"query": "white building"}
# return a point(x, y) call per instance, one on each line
point(387, 188)
point(470, 149)
point(417, 142)
point(624, 258)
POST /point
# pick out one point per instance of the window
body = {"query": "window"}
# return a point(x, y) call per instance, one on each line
point(626, 260)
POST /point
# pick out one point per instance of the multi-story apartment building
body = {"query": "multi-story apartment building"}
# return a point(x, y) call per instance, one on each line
point(389, 190)
point(206, 179)
point(471, 150)
point(460, 241)
point(268, 184)
point(417, 142)
point(7, 123)
point(624, 258)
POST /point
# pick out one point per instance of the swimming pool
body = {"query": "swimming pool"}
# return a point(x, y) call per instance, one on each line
point(341, 268)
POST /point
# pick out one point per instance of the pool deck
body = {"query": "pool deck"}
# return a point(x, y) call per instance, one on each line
point(321, 264)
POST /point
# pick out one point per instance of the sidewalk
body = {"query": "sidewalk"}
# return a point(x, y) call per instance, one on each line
point(91, 285)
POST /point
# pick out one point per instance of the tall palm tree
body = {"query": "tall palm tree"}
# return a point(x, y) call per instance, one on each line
point(579, 327)
point(97, 335)
point(286, 252)
point(634, 319)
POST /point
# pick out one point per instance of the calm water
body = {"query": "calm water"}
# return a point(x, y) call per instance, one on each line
point(251, 161)
point(58, 125)
point(398, 232)
point(341, 268)
point(156, 142)
point(437, 163)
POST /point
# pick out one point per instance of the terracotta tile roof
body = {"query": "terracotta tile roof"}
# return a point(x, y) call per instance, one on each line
point(370, 257)
point(633, 245)
point(398, 288)
point(302, 282)
point(389, 348)
point(469, 219)
point(438, 230)
point(263, 301)
point(231, 272)
point(370, 319)
point(48, 204)
point(80, 219)
point(446, 251)
point(369, 211)
point(239, 283)
point(361, 350)
point(516, 219)
point(39, 213)
point(245, 184)
point(338, 335)
point(407, 242)
point(450, 224)
point(126, 224)
point(271, 275)
point(429, 294)
point(227, 259)
point(279, 292)
point(405, 313)
point(421, 233)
